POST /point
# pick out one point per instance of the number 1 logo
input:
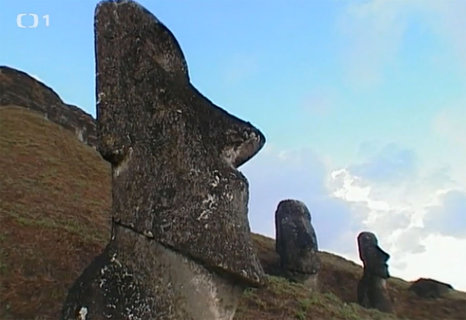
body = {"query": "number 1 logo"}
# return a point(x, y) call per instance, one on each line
point(35, 21)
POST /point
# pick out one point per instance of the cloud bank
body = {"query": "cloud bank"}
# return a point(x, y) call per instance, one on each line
point(385, 194)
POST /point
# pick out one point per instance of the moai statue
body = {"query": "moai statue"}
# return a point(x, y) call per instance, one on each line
point(372, 289)
point(180, 246)
point(296, 242)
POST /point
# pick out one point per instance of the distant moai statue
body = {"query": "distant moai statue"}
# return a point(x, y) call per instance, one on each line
point(296, 242)
point(372, 289)
point(180, 246)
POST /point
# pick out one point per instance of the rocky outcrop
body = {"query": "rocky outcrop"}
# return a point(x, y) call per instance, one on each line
point(430, 288)
point(180, 245)
point(372, 288)
point(296, 241)
point(17, 88)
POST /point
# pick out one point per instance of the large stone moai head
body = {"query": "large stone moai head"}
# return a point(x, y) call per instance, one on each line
point(372, 290)
point(181, 235)
point(296, 241)
point(373, 257)
point(174, 153)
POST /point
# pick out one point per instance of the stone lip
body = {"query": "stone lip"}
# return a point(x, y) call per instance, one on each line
point(174, 153)
point(20, 89)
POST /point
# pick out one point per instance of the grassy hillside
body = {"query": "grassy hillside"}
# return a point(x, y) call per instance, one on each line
point(336, 298)
point(55, 200)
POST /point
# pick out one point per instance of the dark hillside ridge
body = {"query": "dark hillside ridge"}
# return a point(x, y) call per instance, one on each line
point(17, 88)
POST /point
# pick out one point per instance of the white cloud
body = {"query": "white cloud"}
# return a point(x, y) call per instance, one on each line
point(449, 123)
point(390, 164)
point(351, 189)
point(342, 204)
point(449, 216)
point(409, 241)
point(443, 259)
point(406, 217)
point(275, 175)
point(382, 216)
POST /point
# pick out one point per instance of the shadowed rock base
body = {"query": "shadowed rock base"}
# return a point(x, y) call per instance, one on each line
point(430, 288)
point(311, 282)
point(138, 278)
point(372, 293)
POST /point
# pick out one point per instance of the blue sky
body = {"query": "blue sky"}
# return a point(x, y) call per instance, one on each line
point(362, 103)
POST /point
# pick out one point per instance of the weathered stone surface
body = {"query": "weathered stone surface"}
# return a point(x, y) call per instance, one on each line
point(372, 289)
point(174, 154)
point(430, 288)
point(138, 278)
point(296, 241)
point(181, 246)
point(17, 88)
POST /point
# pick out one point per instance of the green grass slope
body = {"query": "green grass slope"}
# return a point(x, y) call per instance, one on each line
point(336, 299)
point(54, 218)
point(55, 199)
